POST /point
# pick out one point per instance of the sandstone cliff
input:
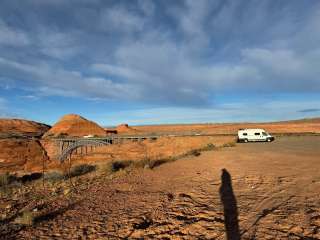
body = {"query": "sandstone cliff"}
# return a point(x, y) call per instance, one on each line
point(21, 128)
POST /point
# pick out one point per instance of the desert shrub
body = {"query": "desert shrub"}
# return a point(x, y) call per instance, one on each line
point(208, 147)
point(117, 165)
point(81, 170)
point(54, 176)
point(144, 163)
point(30, 177)
point(4, 179)
point(158, 162)
point(26, 218)
point(229, 144)
point(194, 152)
point(105, 168)
point(114, 166)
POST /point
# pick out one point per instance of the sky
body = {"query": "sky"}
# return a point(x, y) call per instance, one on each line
point(159, 62)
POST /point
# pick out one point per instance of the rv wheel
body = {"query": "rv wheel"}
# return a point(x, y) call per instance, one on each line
point(246, 140)
point(268, 140)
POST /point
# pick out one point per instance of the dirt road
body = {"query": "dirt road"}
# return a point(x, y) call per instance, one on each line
point(266, 191)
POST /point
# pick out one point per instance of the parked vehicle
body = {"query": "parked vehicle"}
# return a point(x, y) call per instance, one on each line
point(254, 135)
point(88, 136)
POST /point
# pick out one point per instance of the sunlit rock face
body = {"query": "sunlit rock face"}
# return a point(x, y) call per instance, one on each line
point(75, 126)
point(21, 155)
point(21, 128)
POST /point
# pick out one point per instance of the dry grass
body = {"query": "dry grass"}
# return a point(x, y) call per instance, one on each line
point(4, 179)
point(229, 144)
point(147, 163)
point(26, 218)
point(81, 169)
point(54, 176)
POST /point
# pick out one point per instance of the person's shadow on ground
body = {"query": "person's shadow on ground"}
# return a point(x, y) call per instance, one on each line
point(230, 209)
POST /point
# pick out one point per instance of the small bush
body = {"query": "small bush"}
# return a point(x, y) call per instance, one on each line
point(114, 166)
point(4, 179)
point(105, 168)
point(209, 147)
point(54, 176)
point(144, 163)
point(230, 144)
point(81, 170)
point(26, 218)
point(194, 152)
point(158, 162)
point(117, 165)
point(30, 177)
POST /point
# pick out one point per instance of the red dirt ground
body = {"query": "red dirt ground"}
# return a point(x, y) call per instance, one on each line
point(269, 190)
point(297, 126)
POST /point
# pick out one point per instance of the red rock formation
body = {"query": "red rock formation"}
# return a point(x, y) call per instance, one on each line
point(21, 155)
point(19, 127)
point(125, 129)
point(75, 126)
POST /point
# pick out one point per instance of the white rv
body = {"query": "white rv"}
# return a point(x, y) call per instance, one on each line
point(254, 135)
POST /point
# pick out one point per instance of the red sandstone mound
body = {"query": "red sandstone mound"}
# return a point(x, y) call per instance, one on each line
point(21, 155)
point(125, 129)
point(19, 127)
point(75, 126)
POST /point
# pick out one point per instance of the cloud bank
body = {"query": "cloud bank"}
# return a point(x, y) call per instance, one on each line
point(178, 54)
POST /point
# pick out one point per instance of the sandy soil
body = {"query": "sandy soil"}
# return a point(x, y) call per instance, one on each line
point(297, 126)
point(162, 148)
point(266, 191)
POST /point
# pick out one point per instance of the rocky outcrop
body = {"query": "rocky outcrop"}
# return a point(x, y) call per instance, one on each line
point(75, 126)
point(125, 129)
point(21, 155)
point(21, 128)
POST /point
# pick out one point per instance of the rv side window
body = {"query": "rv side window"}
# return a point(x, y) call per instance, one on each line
point(245, 134)
point(257, 134)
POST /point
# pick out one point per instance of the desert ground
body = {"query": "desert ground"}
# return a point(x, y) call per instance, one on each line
point(247, 191)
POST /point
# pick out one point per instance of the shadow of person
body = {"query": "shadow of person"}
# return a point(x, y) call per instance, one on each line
point(230, 209)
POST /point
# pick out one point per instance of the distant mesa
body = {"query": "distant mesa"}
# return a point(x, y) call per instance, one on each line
point(73, 125)
point(21, 128)
point(124, 128)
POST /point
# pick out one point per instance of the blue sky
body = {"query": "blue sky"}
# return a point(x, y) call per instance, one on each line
point(153, 62)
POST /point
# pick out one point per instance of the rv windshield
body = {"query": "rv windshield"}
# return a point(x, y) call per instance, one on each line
point(264, 134)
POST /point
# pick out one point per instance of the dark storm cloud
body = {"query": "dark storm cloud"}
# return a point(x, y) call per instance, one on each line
point(175, 53)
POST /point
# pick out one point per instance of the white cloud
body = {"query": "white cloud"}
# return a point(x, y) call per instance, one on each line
point(147, 7)
point(57, 44)
point(178, 54)
point(274, 110)
point(57, 81)
point(119, 71)
point(120, 19)
point(12, 37)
